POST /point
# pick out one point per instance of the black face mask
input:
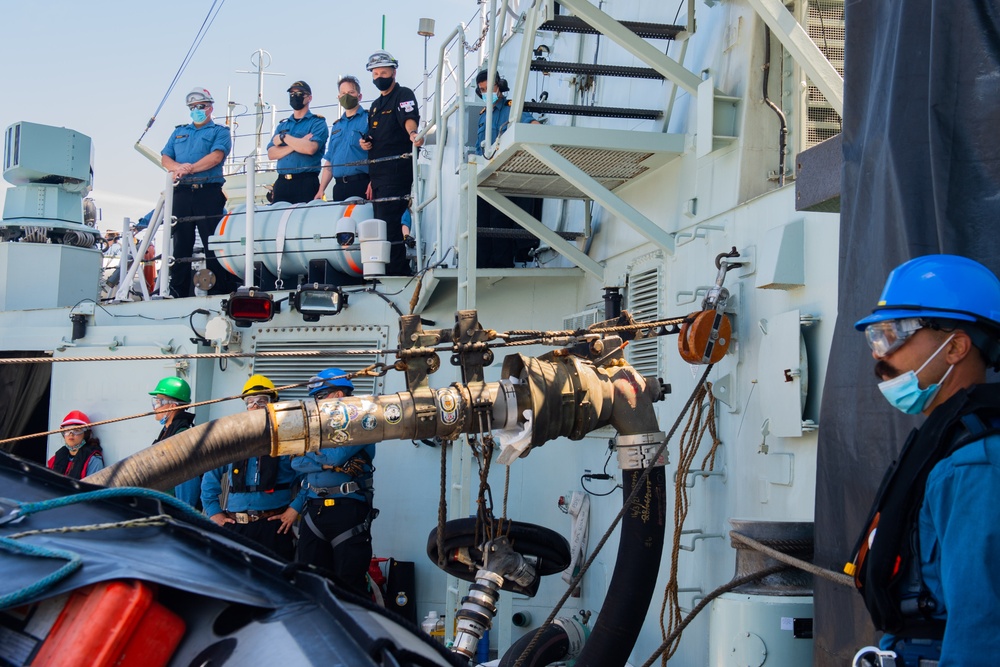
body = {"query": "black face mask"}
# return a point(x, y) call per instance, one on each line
point(297, 102)
point(384, 83)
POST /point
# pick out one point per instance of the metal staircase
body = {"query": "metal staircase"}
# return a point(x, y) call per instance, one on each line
point(586, 163)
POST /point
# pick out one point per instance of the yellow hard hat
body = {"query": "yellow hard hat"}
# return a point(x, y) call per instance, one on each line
point(259, 384)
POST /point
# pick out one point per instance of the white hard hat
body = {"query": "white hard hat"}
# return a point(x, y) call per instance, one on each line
point(198, 95)
point(381, 59)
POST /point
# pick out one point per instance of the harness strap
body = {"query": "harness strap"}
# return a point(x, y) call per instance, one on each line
point(345, 489)
point(363, 527)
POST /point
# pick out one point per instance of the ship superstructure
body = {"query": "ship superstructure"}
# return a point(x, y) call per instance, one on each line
point(665, 161)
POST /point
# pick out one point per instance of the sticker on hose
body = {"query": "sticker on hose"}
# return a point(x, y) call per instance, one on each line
point(393, 413)
point(339, 417)
point(448, 402)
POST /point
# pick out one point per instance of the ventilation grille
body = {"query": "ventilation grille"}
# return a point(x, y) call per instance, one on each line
point(644, 305)
point(826, 28)
point(582, 320)
point(294, 369)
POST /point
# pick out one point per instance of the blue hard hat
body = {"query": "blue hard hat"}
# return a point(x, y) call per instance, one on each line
point(939, 287)
point(329, 379)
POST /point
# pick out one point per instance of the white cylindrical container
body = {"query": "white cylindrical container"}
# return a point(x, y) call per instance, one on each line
point(288, 236)
point(429, 624)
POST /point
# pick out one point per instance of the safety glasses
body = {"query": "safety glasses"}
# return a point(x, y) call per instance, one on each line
point(887, 336)
point(256, 401)
point(160, 402)
point(75, 431)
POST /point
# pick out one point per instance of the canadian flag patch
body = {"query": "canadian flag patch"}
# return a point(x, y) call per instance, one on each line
point(407, 106)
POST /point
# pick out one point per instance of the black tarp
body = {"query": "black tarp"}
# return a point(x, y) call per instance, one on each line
point(921, 175)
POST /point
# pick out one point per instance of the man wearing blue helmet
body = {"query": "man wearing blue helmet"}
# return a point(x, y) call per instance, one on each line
point(926, 563)
point(337, 492)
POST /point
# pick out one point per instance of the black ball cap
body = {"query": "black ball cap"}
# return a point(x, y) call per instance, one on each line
point(301, 85)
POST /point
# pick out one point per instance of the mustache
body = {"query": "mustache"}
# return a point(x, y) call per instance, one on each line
point(883, 369)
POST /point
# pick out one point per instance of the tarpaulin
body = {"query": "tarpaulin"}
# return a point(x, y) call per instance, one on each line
point(921, 175)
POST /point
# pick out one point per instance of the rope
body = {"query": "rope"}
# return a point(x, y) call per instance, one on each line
point(74, 563)
point(529, 338)
point(369, 370)
point(694, 432)
point(725, 588)
point(829, 575)
point(442, 560)
point(614, 524)
point(143, 522)
point(25, 509)
point(203, 355)
point(20, 596)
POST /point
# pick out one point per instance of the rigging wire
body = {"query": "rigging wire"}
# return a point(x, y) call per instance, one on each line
point(206, 23)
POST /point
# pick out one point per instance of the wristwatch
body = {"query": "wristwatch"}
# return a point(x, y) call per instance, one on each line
point(282, 137)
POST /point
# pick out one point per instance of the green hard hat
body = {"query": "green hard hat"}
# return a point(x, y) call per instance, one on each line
point(174, 387)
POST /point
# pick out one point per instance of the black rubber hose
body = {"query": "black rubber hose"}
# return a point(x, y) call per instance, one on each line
point(631, 587)
point(191, 453)
point(642, 531)
point(552, 646)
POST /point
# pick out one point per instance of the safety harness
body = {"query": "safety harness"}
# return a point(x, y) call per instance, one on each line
point(267, 476)
point(363, 483)
point(883, 561)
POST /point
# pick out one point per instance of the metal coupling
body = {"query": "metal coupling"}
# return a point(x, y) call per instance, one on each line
point(872, 656)
point(500, 557)
point(476, 614)
point(637, 451)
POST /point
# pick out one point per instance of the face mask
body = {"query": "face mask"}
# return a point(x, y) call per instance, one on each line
point(384, 83)
point(348, 101)
point(904, 393)
point(297, 102)
point(198, 116)
point(493, 98)
point(163, 421)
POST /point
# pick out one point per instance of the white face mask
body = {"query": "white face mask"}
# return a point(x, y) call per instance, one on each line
point(904, 393)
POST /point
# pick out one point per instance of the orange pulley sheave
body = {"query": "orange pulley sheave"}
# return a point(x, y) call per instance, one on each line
point(704, 338)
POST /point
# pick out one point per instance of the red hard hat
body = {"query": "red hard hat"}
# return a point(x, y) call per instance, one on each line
point(73, 418)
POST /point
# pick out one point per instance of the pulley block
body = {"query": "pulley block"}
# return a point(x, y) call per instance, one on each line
point(704, 337)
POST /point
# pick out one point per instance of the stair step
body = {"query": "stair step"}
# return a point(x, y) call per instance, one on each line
point(565, 23)
point(600, 112)
point(548, 66)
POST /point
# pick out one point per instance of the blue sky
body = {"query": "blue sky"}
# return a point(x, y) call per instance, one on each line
point(101, 68)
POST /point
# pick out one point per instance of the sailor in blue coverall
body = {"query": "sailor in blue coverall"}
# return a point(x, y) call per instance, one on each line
point(343, 147)
point(335, 499)
point(194, 154)
point(933, 335)
point(251, 497)
point(498, 252)
point(297, 145)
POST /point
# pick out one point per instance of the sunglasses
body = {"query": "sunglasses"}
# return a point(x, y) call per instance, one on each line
point(202, 107)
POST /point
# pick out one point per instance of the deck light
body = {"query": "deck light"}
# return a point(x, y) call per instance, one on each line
point(246, 306)
point(318, 301)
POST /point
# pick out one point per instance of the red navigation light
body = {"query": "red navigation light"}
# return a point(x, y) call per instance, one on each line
point(245, 307)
